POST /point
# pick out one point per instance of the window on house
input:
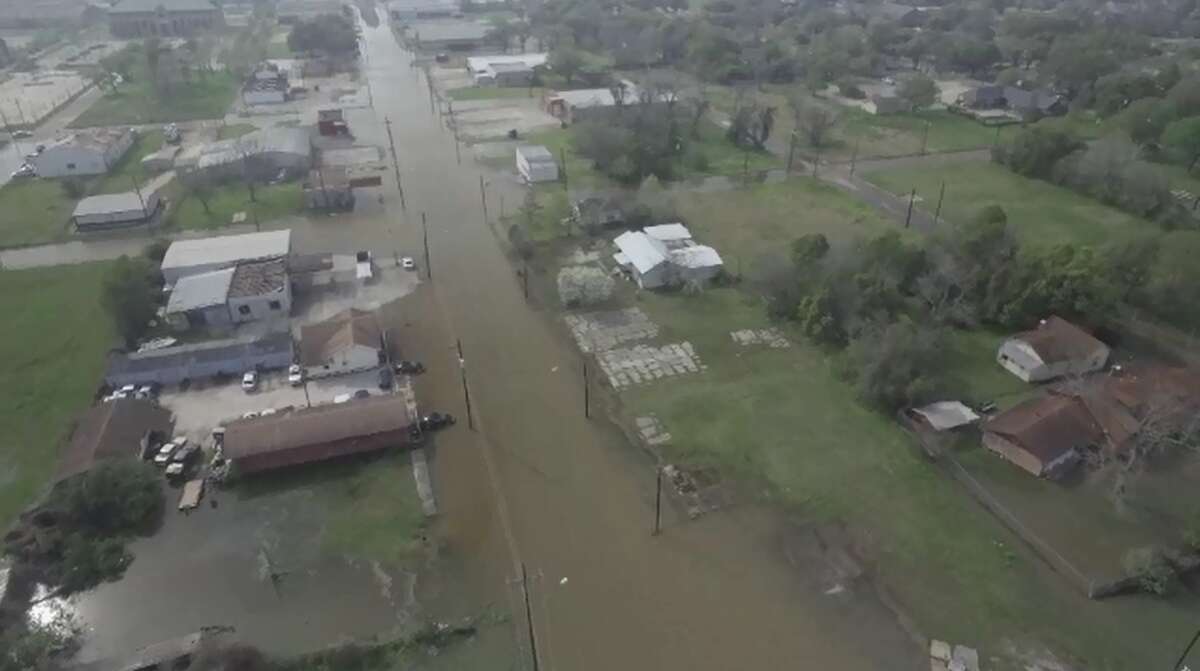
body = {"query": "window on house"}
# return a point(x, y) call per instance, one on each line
point(70, 166)
point(244, 309)
point(275, 305)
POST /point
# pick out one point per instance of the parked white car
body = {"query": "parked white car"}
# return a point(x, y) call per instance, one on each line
point(295, 375)
point(408, 263)
point(250, 381)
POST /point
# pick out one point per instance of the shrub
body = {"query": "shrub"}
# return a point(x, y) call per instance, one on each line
point(1150, 567)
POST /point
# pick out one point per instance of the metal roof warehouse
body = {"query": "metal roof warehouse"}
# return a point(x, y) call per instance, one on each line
point(171, 365)
point(190, 257)
point(318, 433)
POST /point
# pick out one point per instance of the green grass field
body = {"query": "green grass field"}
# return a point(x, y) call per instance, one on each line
point(53, 346)
point(1040, 213)
point(272, 202)
point(235, 130)
point(206, 96)
point(786, 421)
point(494, 92)
point(129, 169)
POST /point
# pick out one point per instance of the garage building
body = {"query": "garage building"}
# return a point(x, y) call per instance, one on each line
point(172, 365)
point(317, 434)
point(192, 257)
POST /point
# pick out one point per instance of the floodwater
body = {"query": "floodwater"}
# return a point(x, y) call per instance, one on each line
point(536, 485)
point(539, 484)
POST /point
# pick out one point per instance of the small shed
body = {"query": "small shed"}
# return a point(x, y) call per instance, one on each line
point(696, 263)
point(110, 211)
point(536, 164)
point(944, 415)
point(887, 102)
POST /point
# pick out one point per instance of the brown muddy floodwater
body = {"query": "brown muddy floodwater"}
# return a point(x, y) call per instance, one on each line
point(536, 484)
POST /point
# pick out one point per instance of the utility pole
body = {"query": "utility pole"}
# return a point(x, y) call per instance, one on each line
point(562, 159)
point(462, 367)
point(925, 137)
point(525, 281)
point(745, 167)
point(587, 393)
point(791, 152)
point(816, 162)
point(854, 155)
point(24, 121)
point(138, 190)
point(658, 501)
point(529, 618)
point(387, 123)
point(8, 129)
point(938, 212)
point(425, 234)
point(911, 198)
point(482, 198)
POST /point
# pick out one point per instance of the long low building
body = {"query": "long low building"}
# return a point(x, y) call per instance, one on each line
point(201, 255)
point(111, 211)
point(317, 434)
point(172, 365)
point(251, 290)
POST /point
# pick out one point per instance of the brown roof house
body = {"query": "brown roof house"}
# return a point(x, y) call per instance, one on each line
point(318, 433)
point(347, 342)
point(1054, 349)
point(1046, 436)
point(117, 429)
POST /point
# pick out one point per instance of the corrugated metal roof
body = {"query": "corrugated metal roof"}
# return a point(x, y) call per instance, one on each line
point(109, 203)
point(696, 256)
point(644, 252)
point(256, 278)
point(1057, 339)
point(944, 415)
point(195, 292)
point(200, 353)
point(96, 139)
point(135, 6)
point(668, 232)
point(535, 153)
point(437, 31)
point(319, 425)
point(481, 63)
point(227, 249)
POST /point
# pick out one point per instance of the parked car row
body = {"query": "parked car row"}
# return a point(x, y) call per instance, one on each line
point(142, 392)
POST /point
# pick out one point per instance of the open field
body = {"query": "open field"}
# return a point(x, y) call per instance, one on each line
point(785, 419)
point(1040, 213)
point(271, 202)
point(206, 95)
point(53, 347)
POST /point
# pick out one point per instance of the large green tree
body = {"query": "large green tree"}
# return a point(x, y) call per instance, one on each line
point(1182, 139)
point(131, 295)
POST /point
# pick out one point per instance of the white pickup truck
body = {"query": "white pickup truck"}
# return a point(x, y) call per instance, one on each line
point(364, 266)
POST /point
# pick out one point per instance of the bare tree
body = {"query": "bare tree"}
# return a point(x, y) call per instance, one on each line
point(814, 120)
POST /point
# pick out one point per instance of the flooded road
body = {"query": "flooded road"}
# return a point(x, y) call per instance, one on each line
point(540, 484)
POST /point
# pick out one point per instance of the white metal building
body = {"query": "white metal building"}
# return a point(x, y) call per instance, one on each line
point(114, 210)
point(695, 263)
point(85, 152)
point(199, 301)
point(410, 10)
point(664, 255)
point(190, 257)
point(536, 164)
point(644, 257)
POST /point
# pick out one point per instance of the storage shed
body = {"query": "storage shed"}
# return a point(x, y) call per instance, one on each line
point(111, 211)
point(536, 164)
point(172, 365)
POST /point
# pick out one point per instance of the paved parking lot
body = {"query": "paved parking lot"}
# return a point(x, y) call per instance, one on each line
point(204, 406)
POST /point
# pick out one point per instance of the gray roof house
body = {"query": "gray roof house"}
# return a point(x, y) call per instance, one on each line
point(1036, 102)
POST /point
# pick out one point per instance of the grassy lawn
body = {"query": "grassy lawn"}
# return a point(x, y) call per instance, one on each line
point(235, 130)
point(579, 170)
point(494, 92)
point(746, 224)
point(272, 202)
point(1040, 212)
point(33, 211)
point(971, 365)
point(129, 169)
point(53, 347)
point(374, 511)
point(786, 420)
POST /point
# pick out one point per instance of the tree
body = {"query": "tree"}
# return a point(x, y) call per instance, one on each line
point(152, 50)
point(1173, 277)
point(1035, 151)
point(200, 186)
point(1146, 119)
point(155, 251)
point(114, 498)
point(501, 32)
point(1150, 568)
point(331, 34)
point(38, 644)
point(751, 125)
point(894, 366)
point(130, 294)
point(815, 121)
point(89, 561)
point(74, 187)
point(1182, 138)
point(809, 249)
point(567, 61)
point(918, 90)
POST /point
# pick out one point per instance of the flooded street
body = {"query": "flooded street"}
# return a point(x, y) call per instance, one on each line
point(540, 484)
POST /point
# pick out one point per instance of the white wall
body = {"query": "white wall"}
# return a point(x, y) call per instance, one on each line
point(259, 307)
point(349, 360)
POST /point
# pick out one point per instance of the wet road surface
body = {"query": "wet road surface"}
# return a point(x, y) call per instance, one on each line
point(539, 484)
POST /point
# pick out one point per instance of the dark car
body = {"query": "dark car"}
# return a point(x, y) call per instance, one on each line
point(437, 420)
point(410, 367)
point(386, 379)
point(362, 393)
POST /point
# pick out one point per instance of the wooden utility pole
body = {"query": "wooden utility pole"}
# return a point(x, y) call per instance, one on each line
point(533, 651)
point(387, 123)
point(938, 212)
point(525, 281)
point(854, 155)
point(462, 368)
point(587, 393)
point(908, 217)
point(791, 152)
point(483, 199)
point(658, 501)
point(925, 138)
point(425, 232)
point(816, 162)
point(562, 160)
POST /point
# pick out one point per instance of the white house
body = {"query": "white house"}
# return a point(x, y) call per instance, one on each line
point(347, 342)
point(536, 164)
point(85, 152)
point(190, 257)
point(505, 70)
point(1054, 349)
point(645, 258)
